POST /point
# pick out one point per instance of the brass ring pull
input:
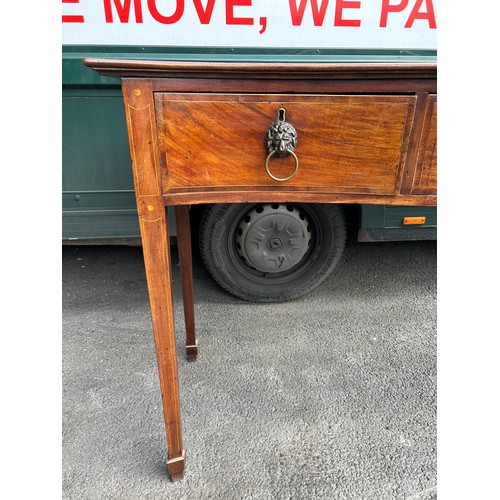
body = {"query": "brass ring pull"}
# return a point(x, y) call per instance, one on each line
point(281, 140)
point(284, 178)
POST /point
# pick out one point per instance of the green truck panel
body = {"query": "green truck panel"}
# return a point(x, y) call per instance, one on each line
point(98, 194)
point(385, 223)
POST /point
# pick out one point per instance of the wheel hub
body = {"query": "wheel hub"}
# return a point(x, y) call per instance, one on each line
point(274, 243)
point(273, 238)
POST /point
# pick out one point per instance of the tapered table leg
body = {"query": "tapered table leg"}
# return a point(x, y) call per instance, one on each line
point(186, 263)
point(139, 106)
point(155, 244)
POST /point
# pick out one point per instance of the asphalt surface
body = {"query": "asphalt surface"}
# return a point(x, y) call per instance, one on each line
point(332, 396)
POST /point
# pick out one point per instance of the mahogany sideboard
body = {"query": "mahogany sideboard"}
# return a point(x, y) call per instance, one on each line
point(212, 132)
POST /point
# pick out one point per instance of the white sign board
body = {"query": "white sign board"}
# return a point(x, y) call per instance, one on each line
point(357, 24)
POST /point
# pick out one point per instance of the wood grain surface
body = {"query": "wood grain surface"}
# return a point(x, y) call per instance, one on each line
point(346, 144)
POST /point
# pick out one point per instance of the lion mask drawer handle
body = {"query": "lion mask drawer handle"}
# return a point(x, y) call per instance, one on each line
point(281, 140)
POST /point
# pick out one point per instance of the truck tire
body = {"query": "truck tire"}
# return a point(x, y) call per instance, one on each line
point(271, 252)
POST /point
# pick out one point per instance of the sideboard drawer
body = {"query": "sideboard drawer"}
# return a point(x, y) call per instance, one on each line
point(425, 179)
point(346, 143)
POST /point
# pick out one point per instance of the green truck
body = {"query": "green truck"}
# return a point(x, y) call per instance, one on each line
point(98, 204)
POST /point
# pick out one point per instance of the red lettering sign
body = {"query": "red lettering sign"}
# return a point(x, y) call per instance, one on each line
point(230, 19)
point(123, 10)
point(398, 23)
point(179, 10)
point(297, 13)
point(204, 14)
point(72, 18)
point(416, 14)
point(346, 4)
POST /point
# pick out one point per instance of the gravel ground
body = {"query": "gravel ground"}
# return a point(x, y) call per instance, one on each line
point(332, 396)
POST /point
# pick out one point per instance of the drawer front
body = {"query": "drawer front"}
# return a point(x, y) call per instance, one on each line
point(425, 179)
point(346, 144)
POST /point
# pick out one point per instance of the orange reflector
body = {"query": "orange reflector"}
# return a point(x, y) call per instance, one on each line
point(413, 220)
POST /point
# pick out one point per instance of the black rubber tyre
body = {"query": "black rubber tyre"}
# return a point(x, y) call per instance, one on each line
point(271, 252)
